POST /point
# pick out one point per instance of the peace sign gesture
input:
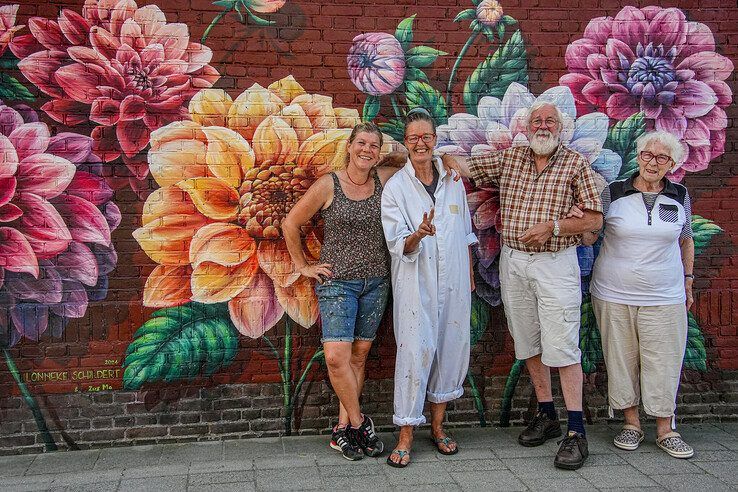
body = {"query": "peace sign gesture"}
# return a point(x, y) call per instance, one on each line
point(426, 227)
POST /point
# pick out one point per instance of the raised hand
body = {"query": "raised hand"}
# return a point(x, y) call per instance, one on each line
point(426, 227)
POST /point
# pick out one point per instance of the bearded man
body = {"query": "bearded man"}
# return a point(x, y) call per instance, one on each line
point(539, 271)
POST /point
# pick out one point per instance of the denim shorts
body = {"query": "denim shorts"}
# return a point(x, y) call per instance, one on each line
point(352, 309)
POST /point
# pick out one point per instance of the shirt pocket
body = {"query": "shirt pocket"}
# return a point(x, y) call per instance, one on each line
point(668, 213)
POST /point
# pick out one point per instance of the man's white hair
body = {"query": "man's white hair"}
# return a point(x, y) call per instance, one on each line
point(540, 104)
point(676, 150)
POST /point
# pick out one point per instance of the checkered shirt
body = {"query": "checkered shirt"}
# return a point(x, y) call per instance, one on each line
point(528, 198)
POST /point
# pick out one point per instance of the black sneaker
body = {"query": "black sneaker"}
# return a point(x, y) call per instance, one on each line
point(573, 451)
point(342, 441)
point(539, 430)
point(367, 439)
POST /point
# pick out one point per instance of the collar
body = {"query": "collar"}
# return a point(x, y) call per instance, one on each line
point(436, 162)
point(552, 158)
point(669, 190)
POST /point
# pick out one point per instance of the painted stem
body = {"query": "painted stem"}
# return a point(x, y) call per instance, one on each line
point(316, 356)
point(462, 53)
point(287, 378)
point(509, 391)
point(396, 106)
point(214, 22)
point(31, 402)
point(477, 399)
point(276, 356)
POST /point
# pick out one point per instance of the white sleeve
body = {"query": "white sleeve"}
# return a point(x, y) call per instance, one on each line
point(396, 228)
point(471, 238)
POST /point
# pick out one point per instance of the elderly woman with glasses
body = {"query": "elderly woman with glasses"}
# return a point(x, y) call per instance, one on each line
point(642, 289)
point(428, 230)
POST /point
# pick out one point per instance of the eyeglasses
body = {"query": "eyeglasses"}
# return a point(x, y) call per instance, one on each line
point(661, 159)
point(426, 137)
point(548, 122)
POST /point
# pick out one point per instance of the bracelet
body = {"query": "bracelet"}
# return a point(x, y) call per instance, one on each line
point(689, 275)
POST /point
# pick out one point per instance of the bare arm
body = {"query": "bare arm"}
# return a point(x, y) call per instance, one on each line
point(317, 197)
point(572, 226)
point(687, 246)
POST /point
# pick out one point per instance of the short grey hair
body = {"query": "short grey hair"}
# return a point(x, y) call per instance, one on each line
point(540, 104)
point(676, 151)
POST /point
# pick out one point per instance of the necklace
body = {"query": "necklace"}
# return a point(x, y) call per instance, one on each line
point(354, 182)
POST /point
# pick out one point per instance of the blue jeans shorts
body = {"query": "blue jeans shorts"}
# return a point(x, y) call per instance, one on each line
point(352, 309)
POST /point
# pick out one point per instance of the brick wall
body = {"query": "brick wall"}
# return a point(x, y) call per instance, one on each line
point(67, 336)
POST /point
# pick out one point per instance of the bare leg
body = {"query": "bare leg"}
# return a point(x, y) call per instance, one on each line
point(404, 443)
point(359, 353)
point(438, 411)
point(631, 416)
point(540, 374)
point(343, 379)
point(571, 385)
point(663, 426)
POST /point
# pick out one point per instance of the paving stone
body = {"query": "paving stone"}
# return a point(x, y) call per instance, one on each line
point(605, 477)
point(361, 484)
point(158, 484)
point(252, 448)
point(290, 479)
point(690, 482)
point(191, 452)
point(660, 464)
point(64, 461)
point(489, 480)
point(517, 451)
point(15, 465)
point(224, 487)
point(131, 457)
point(279, 462)
point(221, 466)
point(91, 487)
point(569, 484)
point(473, 465)
point(604, 460)
point(417, 474)
point(20, 483)
point(724, 470)
point(363, 468)
point(197, 479)
point(307, 445)
point(155, 471)
point(716, 455)
point(535, 468)
point(88, 477)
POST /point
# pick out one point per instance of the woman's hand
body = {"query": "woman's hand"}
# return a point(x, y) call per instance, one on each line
point(688, 290)
point(319, 272)
point(426, 227)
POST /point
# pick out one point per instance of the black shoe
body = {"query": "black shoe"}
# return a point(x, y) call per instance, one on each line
point(367, 439)
point(341, 440)
point(539, 430)
point(573, 452)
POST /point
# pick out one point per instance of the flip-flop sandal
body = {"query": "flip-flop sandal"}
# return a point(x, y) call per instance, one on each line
point(401, 453)
point(446, 441)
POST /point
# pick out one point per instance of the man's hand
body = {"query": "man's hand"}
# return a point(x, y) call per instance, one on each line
point(576, 211)
point(426, 227)
point(451, 166)
point(538, 234)
point(319, 272)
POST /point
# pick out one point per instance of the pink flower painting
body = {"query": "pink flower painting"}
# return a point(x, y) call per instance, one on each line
point(653, 60)
point(7, 26)
point(376, 63)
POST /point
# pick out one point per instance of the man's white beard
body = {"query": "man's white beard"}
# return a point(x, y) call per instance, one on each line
point(544, 146)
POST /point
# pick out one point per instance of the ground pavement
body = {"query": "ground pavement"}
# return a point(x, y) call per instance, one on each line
point(489, 459)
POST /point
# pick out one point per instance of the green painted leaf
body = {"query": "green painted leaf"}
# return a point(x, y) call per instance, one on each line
point(703, 231)
point(258, 20)
point(621, 139)
point(12, 90)
point(508, 20)
point(181, 342)
point(422, 94)
point(8, 61)
point(492, 77)
point(479, 318)
point(395, 128)
point(371, 108)
point(465, 14)
point(225, 3)
point(501, 31)
point(404, 32)
point(415, 74)
point(695, 357)
point(589, 338)
point(422, 56)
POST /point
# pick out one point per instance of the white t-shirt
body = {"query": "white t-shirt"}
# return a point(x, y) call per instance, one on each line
point(640, 262)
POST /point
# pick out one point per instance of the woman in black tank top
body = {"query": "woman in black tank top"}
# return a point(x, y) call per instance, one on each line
point(352, 277)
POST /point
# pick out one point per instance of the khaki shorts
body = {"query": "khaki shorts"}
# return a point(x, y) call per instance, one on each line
point(644, 350)
point(542, 297)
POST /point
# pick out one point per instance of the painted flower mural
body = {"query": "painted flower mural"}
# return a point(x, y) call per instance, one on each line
point(7, 25)
point(228, 179)
point(499, 124)
point(56, 217)
point(653, 60)
point(120, 66)
point(376, 63)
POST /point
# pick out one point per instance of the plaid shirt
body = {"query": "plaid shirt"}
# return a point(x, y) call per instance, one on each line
point(528, 198)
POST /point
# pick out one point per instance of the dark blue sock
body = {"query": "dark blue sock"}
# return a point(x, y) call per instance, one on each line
point(576, 423)
point(547, 407)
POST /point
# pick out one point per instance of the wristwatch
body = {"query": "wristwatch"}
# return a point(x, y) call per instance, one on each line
point(556, 230)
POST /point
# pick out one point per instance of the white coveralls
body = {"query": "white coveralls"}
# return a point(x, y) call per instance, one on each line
point(431, 290)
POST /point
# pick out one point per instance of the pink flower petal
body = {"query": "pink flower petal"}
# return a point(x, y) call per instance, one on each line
point(672, 121)
point(7, 190)
point(103, 42)
point(615, 49)
point(30, 139)
point(256, 310)
point(81, 82)
point(8, 16)
point(42, 225)
point(131, 35)
point(8, 158)
point(47, 32)
point(30, 319)
point(151, 19)
point(577, 54)
point(92, 188)
point(132, 108)
point(630, 27)
point(620, 106)
point(708, 66)
point(71, 146)
point(16, 254)
point(10, 119)
point(78, 263)
point(598, 30)
point(716, 119)
point(39, 68)
point(44, 175)
point(74, 26)
point(85, 221)
point(668, 28)
point(133, 136)
point(722, 91)
point(8, 211)
point(717, 148)
point(119, 13)
point(74, 301)
point(197, 55)
point(699, 38)
point(174, 38)
point(105, 143)
point(697, 98)
point(697, 134)
point(66, 111)
point(24, 46)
